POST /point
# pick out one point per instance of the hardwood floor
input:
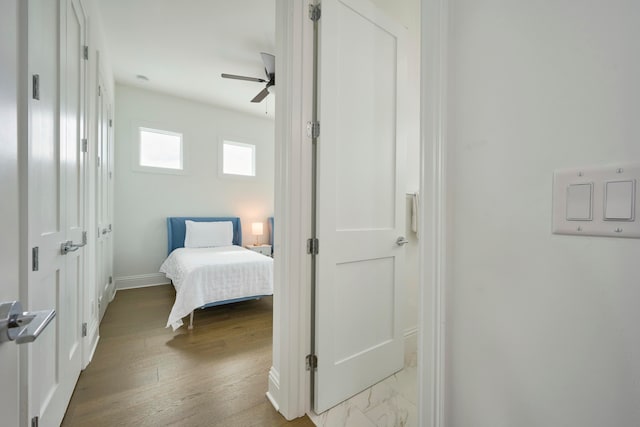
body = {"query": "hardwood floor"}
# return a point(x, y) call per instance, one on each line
point(145, 375)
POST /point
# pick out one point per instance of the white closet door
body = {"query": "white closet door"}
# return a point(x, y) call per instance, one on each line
point(56, 167)
point(9, 210)
point(103, 202)
point(361, 156)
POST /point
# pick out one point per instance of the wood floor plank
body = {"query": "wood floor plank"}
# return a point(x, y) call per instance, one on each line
point(146, 375)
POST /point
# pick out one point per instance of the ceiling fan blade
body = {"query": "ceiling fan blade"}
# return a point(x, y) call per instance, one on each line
point(249, 79)
point(262, 95)
point(269, 63)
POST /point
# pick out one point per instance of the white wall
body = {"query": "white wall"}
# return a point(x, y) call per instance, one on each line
point(143, 200)
point(542, 330)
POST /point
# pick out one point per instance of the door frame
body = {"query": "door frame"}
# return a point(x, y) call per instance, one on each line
point(433, 215)
point(289, 386)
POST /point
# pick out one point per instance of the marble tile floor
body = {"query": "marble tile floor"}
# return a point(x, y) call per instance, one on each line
point(390, 403)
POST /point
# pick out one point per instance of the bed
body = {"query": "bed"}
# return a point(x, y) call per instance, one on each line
point(207, 272)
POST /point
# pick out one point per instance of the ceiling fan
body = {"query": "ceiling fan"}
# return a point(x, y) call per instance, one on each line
point(269, 68)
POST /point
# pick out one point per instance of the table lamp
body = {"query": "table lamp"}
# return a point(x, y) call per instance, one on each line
point(257, 230)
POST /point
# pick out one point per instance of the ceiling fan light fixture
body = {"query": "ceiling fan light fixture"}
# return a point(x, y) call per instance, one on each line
point(269, 62)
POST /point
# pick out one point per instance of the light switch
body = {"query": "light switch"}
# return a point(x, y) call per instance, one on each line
point(597, 201)
point(619, 200)
point(579, 202)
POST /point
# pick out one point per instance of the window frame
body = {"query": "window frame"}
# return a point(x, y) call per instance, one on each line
point(138, 128)
point(239, 142)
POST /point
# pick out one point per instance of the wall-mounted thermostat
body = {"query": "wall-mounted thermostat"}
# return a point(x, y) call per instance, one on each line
point(597, 201)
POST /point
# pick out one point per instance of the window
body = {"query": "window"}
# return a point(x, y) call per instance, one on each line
point(160, 149)
point(238, 159)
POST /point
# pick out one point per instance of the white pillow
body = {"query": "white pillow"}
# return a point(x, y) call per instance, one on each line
point(208, 234)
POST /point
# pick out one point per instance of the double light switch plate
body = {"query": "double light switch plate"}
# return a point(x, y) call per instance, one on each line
point(597, 201)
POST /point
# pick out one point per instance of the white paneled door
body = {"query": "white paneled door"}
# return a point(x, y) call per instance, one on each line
point(361, 194)
point(104, 202)
point(10, 240)
point(56, 177)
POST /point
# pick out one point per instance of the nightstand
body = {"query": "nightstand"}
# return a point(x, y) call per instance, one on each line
point(261, 249)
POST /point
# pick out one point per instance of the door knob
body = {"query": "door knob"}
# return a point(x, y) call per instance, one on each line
point(22, 327)
point(69, 246)
point(401, 241)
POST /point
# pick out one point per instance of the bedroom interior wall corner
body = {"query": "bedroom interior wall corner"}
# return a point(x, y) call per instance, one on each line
point(144, 200)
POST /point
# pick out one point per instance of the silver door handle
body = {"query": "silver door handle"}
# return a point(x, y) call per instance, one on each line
point(104, 231)
point(69, 246)
point(401, 240)
point(22, 327)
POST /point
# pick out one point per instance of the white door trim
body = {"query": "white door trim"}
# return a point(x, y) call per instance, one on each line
point(433, 217)
point(288, 380)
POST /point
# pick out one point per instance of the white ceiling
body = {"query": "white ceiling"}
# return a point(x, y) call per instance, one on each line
point(183, 46)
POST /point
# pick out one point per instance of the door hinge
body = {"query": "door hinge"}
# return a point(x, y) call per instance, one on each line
point(311, 362)
point(313, 246)
point(35, 261)
point(313, 129)
point(85, 52)
point(110, 123)
point(110, 279)
point(85, 145)
point(84, 237)
point(99, 91)
point(35, 90)
point(98, 160)
point(84, 329)
point(110, 175)
point(314, 12)
point(35, 421)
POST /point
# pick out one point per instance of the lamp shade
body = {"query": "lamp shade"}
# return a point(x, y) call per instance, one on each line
point(257, 229)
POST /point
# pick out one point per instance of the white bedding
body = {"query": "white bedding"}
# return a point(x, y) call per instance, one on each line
point(206, 275)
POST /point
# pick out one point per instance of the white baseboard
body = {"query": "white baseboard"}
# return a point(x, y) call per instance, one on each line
point(411, 346)
point(94, 348)
point(274, 388)
point(90, 344)
point(141, 281)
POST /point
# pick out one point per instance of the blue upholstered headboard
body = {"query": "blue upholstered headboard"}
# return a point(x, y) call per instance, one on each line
point(176, 229)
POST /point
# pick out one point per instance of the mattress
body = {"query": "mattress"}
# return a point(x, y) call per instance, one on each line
point(208, 275)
